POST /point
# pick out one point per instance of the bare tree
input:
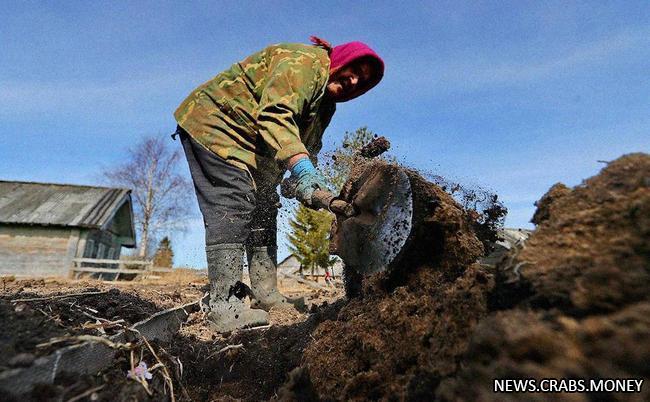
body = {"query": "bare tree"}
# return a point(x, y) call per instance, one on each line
point(161, 196)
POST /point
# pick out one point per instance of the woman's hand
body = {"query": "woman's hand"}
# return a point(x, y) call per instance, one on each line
point(307, 179)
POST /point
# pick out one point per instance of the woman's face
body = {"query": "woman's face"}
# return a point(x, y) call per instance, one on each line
point(348, 80)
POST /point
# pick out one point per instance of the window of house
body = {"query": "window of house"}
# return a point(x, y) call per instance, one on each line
point(90, 249)
point(100, 251)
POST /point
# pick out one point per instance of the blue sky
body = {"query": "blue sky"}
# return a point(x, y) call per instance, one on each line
point(512, 96)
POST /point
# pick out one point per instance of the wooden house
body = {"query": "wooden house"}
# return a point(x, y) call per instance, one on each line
point(43, 226)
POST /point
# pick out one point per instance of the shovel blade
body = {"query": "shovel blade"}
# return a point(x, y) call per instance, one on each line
point(371, 241)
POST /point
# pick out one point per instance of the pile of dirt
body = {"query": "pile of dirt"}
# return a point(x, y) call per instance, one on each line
point(398, 343)
point(572, 303)
point(575, 300)
point(589, 254)
point(413, 322)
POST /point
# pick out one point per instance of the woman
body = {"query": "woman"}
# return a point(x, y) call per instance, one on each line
point(241, 131)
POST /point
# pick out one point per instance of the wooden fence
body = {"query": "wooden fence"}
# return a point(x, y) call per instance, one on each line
point(80, 265)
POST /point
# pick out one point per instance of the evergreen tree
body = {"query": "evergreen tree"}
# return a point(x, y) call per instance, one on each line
point(164, 255)
point(309, 238)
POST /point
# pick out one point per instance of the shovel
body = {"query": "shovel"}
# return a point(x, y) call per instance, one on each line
point(370, 230)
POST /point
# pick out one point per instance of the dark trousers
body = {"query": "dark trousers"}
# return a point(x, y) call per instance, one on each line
point(233, 210)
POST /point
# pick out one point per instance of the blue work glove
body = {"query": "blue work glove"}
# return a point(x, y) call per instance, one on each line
point(307, 179)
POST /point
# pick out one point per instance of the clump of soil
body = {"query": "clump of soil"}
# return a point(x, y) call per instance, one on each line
point(437, 230)
point(544, 205)
point(591, 254)
point(374, 148)
point(575, 300)
point(542, 344)
point(487, 213)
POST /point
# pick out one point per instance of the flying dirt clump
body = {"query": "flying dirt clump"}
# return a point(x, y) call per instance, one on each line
point(374, 148)
point(486, 211)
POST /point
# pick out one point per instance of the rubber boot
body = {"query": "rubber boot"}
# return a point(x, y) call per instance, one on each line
point(264, 278)
point(227, 312)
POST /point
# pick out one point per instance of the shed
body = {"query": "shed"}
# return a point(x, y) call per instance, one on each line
point(509, 239)
point(289, 265)
point(43, 226)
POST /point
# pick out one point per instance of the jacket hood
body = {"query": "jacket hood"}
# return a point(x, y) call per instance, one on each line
point(343, 55)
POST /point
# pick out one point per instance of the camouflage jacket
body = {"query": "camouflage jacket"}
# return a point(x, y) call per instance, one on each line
point(263, 110)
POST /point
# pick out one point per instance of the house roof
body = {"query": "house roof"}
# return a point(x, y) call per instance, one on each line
point(68, 205)
point(289, 257)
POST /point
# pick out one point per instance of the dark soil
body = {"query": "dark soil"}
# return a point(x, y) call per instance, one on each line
point(544, 205)
point(441, 230)
point(575, 301)
point(591, 255)
point(486, 212)
point(111, 384)
point(27, 324)
point(254, 372)
point(393, 343)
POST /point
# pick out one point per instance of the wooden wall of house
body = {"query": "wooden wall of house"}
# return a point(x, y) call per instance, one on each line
point(36, 250)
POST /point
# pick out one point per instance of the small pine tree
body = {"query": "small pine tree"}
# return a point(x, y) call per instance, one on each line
point(164, 256)
point(309, 240)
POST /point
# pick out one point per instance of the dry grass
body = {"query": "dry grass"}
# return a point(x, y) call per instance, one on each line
point(178, 275)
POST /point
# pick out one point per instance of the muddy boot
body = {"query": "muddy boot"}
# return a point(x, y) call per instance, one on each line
point(264, 279)
point(227, 312)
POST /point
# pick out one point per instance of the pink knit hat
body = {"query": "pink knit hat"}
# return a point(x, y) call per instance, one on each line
point(342, 55)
